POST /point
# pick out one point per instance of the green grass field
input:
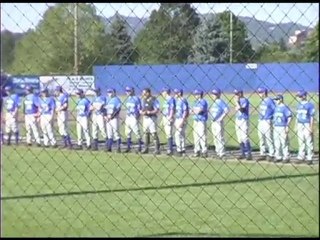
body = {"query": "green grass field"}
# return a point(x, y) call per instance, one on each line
point(49, 192)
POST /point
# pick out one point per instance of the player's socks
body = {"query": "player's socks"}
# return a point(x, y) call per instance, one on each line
point(129, 143)
point(16, 137)
point(119, 143)
point(95, 143)
point(2, 137)
point(170, 144)
point(9, 138)
point(109, 145)
point(68, 140)
point(140, 145)
point(107, 142)
point(64, 139)
point(248, 147)
point(242, 148)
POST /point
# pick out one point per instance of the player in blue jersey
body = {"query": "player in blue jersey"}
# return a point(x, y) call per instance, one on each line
point(304, 126)
point(47, 107)
point(98, 122)
point(242, 124)
point(62, 105)
point(200, 118)
point(266, 110)
point(133, 106)
point(113, 108)
point(168, 112)
point(219, 110)
point(12, 104)
point(181, 118)
point(281, 120)
point(83, 112)
point(150, 107)
point(31, 112)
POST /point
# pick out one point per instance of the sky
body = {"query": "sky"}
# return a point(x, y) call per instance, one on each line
point(19, 17)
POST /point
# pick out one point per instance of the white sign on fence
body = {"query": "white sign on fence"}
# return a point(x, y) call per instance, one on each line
point(69, 83)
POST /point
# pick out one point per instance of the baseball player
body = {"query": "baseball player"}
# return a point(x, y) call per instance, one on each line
point(242, 124)
point(281, 121)
point(219, 110)
point(149, 110)
point(98, 123)
point(304, 126)
point(12, 104)
point(30, 109)
point(47, 107)
point(62, 104)
point(113, 108)
point(83, 112)
point(266, 110)
point(181, 118)
point(200, 112)
point(168, 112)
point(133, 105)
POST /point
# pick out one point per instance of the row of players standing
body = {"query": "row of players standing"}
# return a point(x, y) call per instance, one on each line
point(273, 126)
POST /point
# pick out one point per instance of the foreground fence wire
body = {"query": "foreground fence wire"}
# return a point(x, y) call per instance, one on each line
point(160, 119)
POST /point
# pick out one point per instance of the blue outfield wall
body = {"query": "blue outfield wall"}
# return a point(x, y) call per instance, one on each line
point(275, 76)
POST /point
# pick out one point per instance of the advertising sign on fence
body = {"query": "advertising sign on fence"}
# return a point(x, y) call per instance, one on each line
point(68, 83)
point(19, 83)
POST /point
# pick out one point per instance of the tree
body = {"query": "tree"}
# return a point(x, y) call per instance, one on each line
point(312, 46)
point(282, 45)
point(213, 38)
point(211, 44)
point(167, 36)
point(50, 48)
point(121, 41)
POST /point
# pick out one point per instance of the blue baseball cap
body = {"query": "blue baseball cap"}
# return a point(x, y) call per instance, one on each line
point(165, 89)
point(29, 88)
point(216, 91)
point(278, 97)
point(176, 90)
point(129, 89)
point(237, 91)
point(262, 90)
point(197, 92)
point(110, 90)
point(97, 89)
point(79, 91)
point(301, 93)
point(58, 88)
point(44, 90)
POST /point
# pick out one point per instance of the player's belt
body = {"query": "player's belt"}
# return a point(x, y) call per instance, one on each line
point(150, 116)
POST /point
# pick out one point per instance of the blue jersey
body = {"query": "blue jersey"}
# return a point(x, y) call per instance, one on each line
point(62, 99)
point(83, 107)
point(305, 111)
point(203, 105)
point(244, 103)
point(12, 102)
point(281, 115)
point(267, 107)
point(182, 108)
point(219, 107)
point(31, 104)
point(113, 106)
point(168, 106)
point(133, 106)
point(47, 105)
point(98, 103)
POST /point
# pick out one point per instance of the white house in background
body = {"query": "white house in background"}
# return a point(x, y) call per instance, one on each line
point(298, 39)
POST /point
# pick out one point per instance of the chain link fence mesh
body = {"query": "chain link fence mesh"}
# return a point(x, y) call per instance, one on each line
point(86, 190)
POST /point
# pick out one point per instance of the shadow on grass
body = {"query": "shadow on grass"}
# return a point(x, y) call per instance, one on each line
point(152, 188)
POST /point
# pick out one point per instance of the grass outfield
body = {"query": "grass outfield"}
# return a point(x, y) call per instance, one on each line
point(230, 135)
point(56, 193)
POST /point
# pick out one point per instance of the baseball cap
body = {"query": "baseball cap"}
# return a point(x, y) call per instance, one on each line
point(129, 89)
point(110, 90)
point(197, 92)
point(176, 90)
point(262, 90)
point(237, 91)
point(58, 88)
point(165, 89)
point(7, 88)
point(29, 88)
point(278, 97)
point(44, 90)
point(79, 91)
point(216, 91)
point(97, 89)
point(301, 93)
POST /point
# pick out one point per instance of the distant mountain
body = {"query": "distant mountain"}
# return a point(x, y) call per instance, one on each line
point(259, 32)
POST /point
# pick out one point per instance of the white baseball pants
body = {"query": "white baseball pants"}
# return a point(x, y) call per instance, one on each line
point(132, 125)
point(305, 141)
point(218, 137)
point(31, 125)
point(200, 136)
point(82, 126)
point(180, 135)
point(46, 128)
point(265, 137)
point(98, 124)
point(281, 143)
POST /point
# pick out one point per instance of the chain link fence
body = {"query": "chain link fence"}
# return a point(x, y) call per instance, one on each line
point(149, 119)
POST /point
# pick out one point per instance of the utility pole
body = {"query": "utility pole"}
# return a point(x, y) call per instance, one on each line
point(231, 32)
point(75, 33)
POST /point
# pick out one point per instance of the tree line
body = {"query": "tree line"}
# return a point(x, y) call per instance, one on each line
point(174, 34)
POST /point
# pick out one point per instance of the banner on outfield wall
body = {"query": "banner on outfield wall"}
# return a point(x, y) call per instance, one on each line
point(19, 83)
point(69, 83)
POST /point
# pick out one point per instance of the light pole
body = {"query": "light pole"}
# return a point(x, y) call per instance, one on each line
point(75, 33)
point(231, 29)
